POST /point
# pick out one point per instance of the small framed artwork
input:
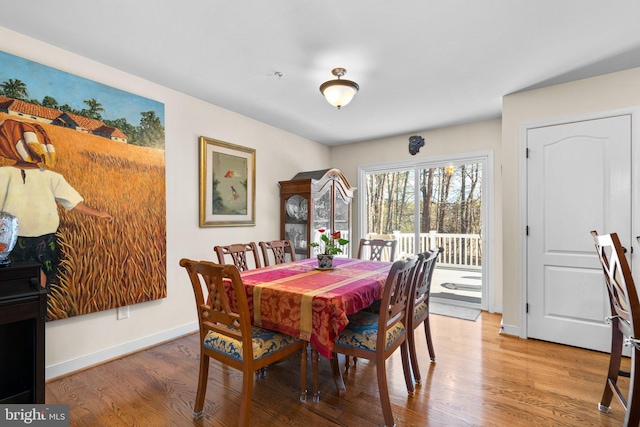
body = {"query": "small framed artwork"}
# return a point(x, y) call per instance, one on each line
point(227, 184)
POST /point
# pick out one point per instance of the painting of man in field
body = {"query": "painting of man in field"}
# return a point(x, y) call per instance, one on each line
point(32, 189)
point(78, 151)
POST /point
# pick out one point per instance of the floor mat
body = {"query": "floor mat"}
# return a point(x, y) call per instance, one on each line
point(453, 311)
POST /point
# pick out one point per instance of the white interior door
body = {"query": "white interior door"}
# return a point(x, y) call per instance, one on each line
point(578, 180)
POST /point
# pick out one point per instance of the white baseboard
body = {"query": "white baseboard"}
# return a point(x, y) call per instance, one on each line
point(495, 308)
point(84, 362)
point(509, 329)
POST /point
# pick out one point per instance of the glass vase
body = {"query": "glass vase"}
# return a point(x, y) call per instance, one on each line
point(8, 236)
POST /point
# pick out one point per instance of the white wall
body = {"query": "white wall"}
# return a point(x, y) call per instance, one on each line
point(474, 137)
point(602, 93)
point(85, 340)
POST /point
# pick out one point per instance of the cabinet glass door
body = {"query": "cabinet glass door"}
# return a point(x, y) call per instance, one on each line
point(296, 223)
point(341, 220)
point(321, 216)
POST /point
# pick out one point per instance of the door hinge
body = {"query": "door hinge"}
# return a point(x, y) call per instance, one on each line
point(527, 153)
point(527, 308)
point(527, 230)
point(631, 249)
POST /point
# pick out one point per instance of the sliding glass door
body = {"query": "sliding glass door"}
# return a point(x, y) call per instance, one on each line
point(427, 205)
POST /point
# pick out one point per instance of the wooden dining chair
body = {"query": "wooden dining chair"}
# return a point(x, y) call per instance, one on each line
point(374, 250)
point(377, 249)
point(625, 325)
point(279, 249)
point(420, 307)
point(227, 336)
point(377, 336)
point(238, 254)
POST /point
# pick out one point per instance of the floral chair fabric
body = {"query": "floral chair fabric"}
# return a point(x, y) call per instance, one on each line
point(264, 342)
point(362, 332)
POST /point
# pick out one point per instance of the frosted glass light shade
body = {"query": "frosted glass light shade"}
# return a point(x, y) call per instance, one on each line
point(339, 92)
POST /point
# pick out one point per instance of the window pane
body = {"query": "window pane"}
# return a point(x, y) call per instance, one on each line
point(451, 218)
point(390, 208)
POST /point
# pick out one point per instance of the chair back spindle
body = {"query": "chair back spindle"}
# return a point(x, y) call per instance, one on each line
point(281, 250)
point(377, 249)
point(238, 252)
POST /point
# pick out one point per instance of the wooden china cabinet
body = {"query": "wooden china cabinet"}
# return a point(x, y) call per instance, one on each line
point(312, 201)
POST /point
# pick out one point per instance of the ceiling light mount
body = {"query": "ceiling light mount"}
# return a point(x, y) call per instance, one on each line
point(339, 92)
point(339, 72)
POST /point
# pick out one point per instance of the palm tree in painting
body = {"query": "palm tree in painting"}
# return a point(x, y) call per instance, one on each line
point(50, 102)
point(15, 89)
point(94, 109)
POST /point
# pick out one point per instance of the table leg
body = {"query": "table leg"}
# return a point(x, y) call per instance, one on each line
point(303, 373)
point(314, 374)
point(337, 376)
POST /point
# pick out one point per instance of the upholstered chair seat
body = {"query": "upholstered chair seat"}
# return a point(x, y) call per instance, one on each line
point(362, 332)
point(265, 342)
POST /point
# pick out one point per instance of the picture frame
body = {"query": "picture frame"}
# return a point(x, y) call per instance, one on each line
point(227, 184)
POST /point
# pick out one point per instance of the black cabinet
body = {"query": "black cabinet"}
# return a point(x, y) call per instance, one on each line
point(23, 310)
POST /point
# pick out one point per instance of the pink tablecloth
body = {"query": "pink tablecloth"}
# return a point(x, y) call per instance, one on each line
point(297, 299)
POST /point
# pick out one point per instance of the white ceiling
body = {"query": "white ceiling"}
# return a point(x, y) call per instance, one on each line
point(420, 64)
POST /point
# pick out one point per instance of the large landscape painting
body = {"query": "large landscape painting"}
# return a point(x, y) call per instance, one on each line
point(109, 146)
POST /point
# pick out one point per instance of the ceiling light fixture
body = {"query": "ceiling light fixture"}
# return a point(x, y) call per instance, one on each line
point(339, 92)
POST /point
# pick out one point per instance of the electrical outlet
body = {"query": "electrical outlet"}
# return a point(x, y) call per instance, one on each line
point(123, 312)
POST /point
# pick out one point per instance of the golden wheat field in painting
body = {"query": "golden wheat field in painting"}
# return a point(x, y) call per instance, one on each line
point(105, 265)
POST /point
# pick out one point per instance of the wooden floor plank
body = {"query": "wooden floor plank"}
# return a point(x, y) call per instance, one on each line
point(480, 378)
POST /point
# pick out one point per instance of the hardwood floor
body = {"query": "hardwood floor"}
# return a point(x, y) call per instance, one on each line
point(480, 378)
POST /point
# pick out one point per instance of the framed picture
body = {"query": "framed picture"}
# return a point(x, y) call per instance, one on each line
point(94, 130)
point(227, 184)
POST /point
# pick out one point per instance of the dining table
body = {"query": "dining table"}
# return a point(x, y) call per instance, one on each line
point(300, 299)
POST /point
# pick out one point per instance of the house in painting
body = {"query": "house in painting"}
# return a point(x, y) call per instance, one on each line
point(110, 132)
point(16, 107)
point(87, 125)
point(19, 108)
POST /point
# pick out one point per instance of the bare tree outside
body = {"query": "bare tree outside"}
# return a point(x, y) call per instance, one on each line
point(450, 201)
point(423, 208)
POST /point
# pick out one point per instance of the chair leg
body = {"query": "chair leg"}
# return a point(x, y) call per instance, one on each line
point(614, 368)
point(315, 397)
point(203, 377)
point(427, 332)
point(406, 367)
point(261, 373)
point(632, 417)
point(337, 375)
point(346, 362)
point(247, 394)
point(303, 373)
point(383, 389)
point(414, 356)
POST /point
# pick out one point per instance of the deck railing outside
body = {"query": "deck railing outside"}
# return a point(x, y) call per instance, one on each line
point(460, 250)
